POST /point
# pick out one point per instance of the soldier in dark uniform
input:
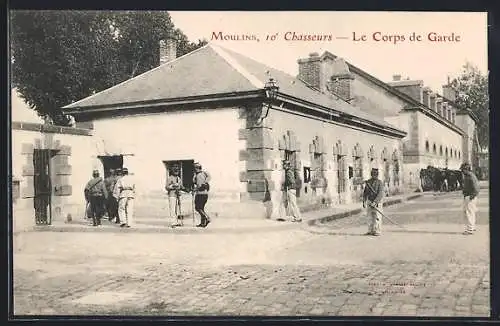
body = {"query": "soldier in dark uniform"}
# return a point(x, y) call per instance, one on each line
point(201, 188)
point(373, 194)
point(111, 204)
point(470, 191)
point(96, 194)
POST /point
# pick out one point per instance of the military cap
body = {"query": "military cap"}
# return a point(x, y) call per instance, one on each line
point(125, 170)
point(374, 169)
point(197, 165)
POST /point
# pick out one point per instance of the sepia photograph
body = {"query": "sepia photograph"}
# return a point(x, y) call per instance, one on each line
point(249, 163)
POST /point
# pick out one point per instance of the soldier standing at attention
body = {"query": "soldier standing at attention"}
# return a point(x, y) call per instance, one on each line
point(118, 176)
point(96, 194)
point(124, 192)
point(470, 192)
point(373, 193)
point(289, 195)
point(201, 187)
point(173, 188)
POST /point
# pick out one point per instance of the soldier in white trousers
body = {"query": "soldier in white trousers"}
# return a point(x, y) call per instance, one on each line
point(173, 188)
point(470, 192)
point(289, 195)
point(124, 192)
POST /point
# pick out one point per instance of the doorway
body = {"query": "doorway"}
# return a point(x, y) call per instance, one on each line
point(186, 171)
point(42, 183)
point(111, 162)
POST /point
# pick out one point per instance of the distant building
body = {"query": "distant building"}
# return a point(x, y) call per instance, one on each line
point(437, 133)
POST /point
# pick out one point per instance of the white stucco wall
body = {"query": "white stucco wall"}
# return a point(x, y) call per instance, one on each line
point(442, 136)
point(209, 137)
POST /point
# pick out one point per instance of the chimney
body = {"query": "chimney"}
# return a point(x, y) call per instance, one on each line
point(327, 73)
point(426, 96)
point(396, 77)
point(444, 109)
point(439, 103)
point(310, 70)
point(433, 102)
point(168, 49)
point(412, 88)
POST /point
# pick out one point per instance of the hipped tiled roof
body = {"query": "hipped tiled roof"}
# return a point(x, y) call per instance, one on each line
point(213, 70)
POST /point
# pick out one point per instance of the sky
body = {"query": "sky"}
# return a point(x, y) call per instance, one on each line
point(377, 42)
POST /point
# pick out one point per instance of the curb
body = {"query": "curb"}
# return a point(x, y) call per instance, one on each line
point(356, 211)
point(161, 230)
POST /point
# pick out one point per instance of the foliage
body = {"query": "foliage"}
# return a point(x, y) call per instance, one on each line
point(59, 57)
point(472, 87)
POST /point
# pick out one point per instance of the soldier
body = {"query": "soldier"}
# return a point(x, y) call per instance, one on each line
point(118, 176)
point(124, 192)
point(201, 187)
point(173, 189)
point(96, 194)
point(373, 193)
point(470, 192)
point(111, 203)
point(289, 195)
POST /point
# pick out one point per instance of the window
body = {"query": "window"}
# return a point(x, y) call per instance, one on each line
point(340, 174)
point(186, 171)
point(458, 154)
point(441, 150)
point(396, 172)
point(427, 146)
point(358, 170)
point(387, 176)
point(357, 159)
point(446, 152)
point(434, 148)
point(317, 166)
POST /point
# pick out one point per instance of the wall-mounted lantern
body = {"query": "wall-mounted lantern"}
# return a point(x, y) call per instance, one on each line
point(271, 88)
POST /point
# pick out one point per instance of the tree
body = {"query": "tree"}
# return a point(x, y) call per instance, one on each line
point(472, 87)
point(59, 57)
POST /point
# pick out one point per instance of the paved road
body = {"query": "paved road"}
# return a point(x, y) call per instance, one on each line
point(427, 269)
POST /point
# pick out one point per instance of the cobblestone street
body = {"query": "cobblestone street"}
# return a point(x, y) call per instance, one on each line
point(427, 269)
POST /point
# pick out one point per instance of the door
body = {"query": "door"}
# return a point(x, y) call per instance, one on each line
point(42, 185)
point(111, 162)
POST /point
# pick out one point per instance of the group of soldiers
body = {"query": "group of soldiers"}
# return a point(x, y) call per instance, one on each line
point(199, 190)
point(115, 194)
point(112, 196)
point(374, 193)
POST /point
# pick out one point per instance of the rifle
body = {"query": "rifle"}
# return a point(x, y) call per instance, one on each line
point(376, 208)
